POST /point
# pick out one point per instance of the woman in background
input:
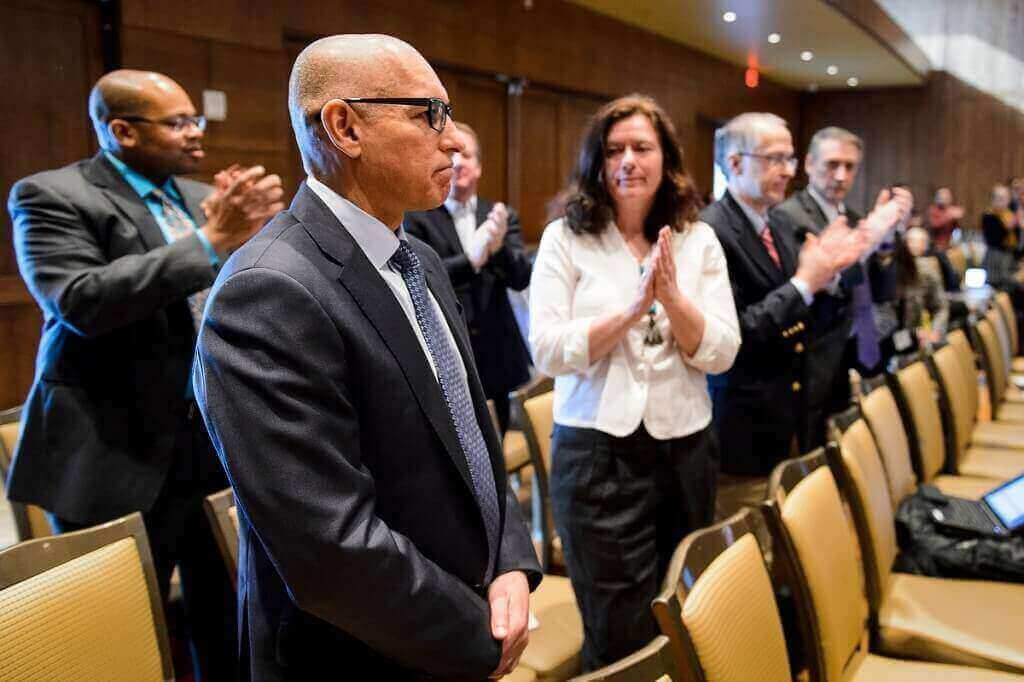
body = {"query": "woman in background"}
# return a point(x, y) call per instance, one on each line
point(630, 308)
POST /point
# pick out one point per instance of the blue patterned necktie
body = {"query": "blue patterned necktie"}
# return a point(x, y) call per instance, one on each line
point(180, 225)
point(456, 394)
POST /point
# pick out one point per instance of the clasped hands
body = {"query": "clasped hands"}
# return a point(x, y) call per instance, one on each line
point(489, 236)
point(658, 281)
point(243, 199)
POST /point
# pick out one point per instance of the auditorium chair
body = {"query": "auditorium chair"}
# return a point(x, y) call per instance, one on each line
point(1005, 305)
point(29, 520)
point(917, 395)
point(717, 607)
point(83, 606)
point(653, 663)
point(223, 516)
point(533, 406)
point(957, 622)
point(992, 341)
point(986, 449)
point(958, 259)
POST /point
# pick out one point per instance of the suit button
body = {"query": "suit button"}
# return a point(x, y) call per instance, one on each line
point(799, 347)
point(796, 386)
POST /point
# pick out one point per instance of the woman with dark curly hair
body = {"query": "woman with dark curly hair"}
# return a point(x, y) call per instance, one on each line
point(630, 308)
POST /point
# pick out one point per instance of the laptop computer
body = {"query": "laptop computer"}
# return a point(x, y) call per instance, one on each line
point(999, 512)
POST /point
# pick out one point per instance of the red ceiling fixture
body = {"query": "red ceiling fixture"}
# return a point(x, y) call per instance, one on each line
point(751, 78)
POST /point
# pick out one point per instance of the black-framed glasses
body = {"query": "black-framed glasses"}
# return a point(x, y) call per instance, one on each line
point(177, 123)
point(774, 159)
point(438, 111)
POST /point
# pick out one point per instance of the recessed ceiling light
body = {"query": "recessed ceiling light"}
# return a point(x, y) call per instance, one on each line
point(832, 69)
point(813, 87)
point(774, 38)
point(729, 17)
point(807, 55)
point(852, 81)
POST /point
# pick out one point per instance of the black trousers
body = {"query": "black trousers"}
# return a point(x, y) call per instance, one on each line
point(180, 535)
point(621, 505)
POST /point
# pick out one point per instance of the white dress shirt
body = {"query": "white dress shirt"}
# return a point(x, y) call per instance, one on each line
point(580, 278)
point(379, 243)
point(464, 216)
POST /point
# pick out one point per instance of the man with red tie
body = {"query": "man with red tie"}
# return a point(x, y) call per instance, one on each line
point(766, 406)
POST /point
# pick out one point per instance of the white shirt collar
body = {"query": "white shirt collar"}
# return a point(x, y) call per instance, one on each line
point(453, 205)
point(375, 238)
point(826, 206)
point(758, 221)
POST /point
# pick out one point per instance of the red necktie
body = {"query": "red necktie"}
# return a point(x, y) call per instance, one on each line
point(769, 245)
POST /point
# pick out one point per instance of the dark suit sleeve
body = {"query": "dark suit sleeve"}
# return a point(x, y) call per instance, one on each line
point(68, 272)
point(764, 321)
point(517, 552)
point(273, 387)
point(511, 264)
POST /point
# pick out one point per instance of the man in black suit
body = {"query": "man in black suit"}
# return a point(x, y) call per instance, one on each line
point(118, 253)
point(764, 410)
point(481, 245)
point(832, 161)
point(378, 538)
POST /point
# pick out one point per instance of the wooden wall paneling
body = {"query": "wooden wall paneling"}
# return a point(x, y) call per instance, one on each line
point(51, 57)
point(246, 22)
point(540, 178)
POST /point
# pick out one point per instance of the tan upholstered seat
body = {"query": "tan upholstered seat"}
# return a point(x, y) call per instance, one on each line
point(30, 521)
point(938, 619)
point(533, 406)
point(806, 508)
point(653, 663)
point(883, 415)
point(984, 450)
point(920, 395)
point(555, 645)
point(223, 516)
point(717, 605)
point(520, 674)
point(83, 606)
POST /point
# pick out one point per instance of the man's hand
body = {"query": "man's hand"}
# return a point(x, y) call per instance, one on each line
point(891, 208)
point(509, 597)
point(242, 201)
point(815, 267)
point(498, 217)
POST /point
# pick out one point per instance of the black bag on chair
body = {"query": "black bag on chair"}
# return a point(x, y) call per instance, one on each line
point(927, 548)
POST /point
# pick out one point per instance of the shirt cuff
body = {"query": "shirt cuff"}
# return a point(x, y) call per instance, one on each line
point(210, 251)
point(805, 291)
point(576, 351)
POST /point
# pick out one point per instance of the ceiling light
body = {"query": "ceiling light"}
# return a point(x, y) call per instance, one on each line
point(729, 17)
point(832, 69)
point(852, 81)
point(807, 55)
point(813, 87)
point(774, 38)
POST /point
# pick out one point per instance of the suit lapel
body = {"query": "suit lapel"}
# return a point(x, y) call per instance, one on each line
point(193, 201)
point(751, 244)
point(445, 225)
point(812, 210)
point(377, 302)
point(102, 174)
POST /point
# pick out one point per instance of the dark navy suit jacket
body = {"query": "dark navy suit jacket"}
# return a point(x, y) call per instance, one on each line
point(363, 551)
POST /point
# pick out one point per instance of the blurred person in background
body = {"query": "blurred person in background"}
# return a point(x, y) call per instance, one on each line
point(630, 308)
point(943, 218)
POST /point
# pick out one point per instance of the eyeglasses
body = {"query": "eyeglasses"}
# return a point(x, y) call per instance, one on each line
point(177, 124)
point(774, 159)
point(438, 111)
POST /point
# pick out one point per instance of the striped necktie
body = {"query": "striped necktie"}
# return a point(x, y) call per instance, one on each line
point(769, 245)
point(456, 395)
point(179, 225)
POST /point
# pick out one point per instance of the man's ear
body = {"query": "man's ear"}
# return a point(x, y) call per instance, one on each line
point(808, 163)
point(735, 163)
point(124, 134)
point(341, 123)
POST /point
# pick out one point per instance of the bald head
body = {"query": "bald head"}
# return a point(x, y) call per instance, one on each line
point(127, 92)
point(344, 66)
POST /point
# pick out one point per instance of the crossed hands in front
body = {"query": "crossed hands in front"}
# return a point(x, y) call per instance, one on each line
point(838, 246)
point(489, 236)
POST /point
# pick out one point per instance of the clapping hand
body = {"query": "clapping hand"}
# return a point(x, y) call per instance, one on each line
point(242, 201)
point(498, 218)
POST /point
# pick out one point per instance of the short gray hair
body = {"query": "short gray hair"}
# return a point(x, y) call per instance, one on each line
point(834, 133)
point(742, 134)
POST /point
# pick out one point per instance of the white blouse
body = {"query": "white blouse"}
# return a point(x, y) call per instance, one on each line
point(579, 278)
